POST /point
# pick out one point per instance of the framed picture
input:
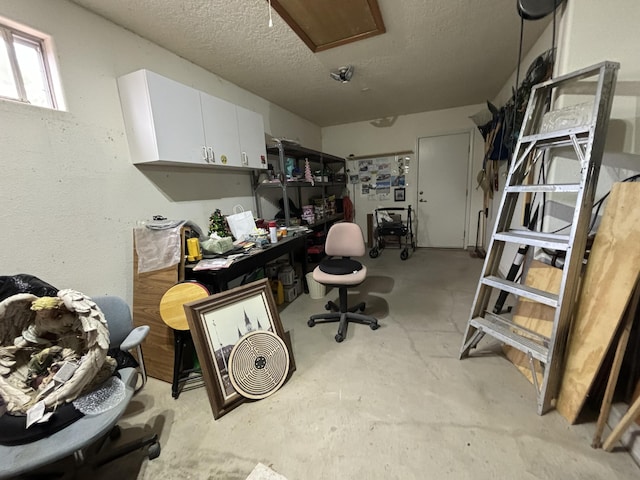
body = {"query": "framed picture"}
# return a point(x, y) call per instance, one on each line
point(398, 194)
point(217, 323)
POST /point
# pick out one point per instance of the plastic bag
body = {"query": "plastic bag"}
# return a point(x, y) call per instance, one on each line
point(241, 224)
point(157, 249)
point(217, 245)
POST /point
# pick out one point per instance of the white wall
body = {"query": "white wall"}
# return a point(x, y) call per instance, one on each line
point(589, 32)
point(597, 31)
point(69, 192)
point(592, 32)
point(363, 138)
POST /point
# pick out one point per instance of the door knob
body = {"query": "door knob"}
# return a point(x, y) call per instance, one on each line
point(421, 192)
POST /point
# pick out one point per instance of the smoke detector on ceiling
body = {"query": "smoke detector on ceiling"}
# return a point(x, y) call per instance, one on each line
point(343, 74)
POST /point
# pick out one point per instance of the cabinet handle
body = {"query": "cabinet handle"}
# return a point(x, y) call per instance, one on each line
point(212, 157)
point(205, 157)
point(245, 158)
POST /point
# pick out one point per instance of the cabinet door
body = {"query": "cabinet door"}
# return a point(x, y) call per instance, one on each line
point(220, 130)
point(177, 120)
point(252, 144)
point(163, 119)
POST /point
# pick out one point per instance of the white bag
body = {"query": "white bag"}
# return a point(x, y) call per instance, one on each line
point(241, 224)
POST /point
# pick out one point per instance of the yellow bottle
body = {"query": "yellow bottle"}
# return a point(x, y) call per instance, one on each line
point(278, 291)
point(193, 247)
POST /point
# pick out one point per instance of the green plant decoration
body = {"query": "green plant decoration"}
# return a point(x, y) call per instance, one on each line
point(218, 224)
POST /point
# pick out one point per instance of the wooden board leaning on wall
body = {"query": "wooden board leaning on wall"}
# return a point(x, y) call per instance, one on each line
point(607, 285)
point(608, 282)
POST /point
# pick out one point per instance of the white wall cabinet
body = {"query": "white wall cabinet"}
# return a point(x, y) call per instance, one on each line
point(171, 123)
point(162, 119)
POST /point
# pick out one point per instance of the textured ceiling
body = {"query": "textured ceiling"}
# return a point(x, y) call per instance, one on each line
point(436, 54)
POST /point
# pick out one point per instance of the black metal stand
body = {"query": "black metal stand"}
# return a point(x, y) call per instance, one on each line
point(181, 376)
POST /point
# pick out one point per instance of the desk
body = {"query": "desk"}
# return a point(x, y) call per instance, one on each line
point(148, 289)
point(220, 279)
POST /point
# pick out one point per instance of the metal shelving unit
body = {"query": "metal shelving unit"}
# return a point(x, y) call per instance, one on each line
point(318, 160)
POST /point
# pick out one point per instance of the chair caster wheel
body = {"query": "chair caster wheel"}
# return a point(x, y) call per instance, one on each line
point(373, 253)
point(374, 326)
point(339, 338)
point(154, 450)
point(404, 254)
point(327, 307)
point(361, 307)
point(311, 323)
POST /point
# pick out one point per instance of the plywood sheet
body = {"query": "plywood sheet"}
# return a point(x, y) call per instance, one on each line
point(148, 289)
point(608, 282)
point(158, 349)
point(533, 315)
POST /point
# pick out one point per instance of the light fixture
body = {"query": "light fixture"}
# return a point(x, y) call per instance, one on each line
point(343, 74)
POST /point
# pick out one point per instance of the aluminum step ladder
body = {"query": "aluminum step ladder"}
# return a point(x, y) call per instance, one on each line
point(537, 141)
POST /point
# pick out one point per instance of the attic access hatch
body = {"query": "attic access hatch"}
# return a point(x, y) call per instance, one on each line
point(327, 24)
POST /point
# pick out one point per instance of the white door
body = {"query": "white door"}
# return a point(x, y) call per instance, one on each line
point(442, 190)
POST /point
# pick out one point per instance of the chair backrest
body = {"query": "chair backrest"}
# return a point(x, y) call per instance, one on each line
point(118, 316)
point(345, 239)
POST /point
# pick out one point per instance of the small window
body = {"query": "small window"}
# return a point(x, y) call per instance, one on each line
point(24, 72)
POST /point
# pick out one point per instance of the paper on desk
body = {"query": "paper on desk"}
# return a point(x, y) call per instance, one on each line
point(212, 264)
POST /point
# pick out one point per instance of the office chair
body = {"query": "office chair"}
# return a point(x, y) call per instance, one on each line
point(123, 336)
point(344, 240)
point(84, 434)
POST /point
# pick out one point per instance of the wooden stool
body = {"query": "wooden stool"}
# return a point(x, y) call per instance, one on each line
point(172, 313)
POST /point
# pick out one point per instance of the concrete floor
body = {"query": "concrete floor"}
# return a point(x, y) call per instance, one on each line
point(395, 403)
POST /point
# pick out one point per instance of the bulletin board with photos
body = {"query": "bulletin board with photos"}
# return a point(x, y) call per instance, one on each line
point(379, 178)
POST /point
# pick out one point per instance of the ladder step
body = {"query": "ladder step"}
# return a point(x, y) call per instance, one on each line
point(546, 187)
point(525, 291)
point(559, 138)
point(536, 239)
point(500, 329)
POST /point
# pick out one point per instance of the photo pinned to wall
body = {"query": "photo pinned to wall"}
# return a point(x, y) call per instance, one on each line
point(217, 323)
point(398, 181)
point(383, 187)
point(383, 178)
point(365, 168)
point(384, 167)
point(399, 194)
